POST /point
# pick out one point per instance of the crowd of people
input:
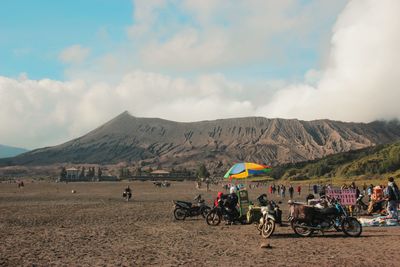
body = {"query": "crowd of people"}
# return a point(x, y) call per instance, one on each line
point(383, 199)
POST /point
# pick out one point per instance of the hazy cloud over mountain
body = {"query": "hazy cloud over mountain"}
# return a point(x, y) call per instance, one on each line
point(174, 74)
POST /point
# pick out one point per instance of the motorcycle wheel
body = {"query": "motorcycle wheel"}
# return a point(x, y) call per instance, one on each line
point(213, 218)
point(351, 227)
point(337, 227)
point(260, 227)
point(300, 231)
point(179, 214)
point(268, 228)
point(205, 211)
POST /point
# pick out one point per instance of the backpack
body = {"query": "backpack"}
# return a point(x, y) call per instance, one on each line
point(396, 192)
point(393, 192)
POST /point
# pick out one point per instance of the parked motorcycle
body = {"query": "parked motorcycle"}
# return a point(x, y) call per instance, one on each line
point(306, 220)
point(224, 211)
point(183, 209)
point(271, 215)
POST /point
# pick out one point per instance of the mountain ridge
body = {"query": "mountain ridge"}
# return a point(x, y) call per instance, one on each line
point(145, 141)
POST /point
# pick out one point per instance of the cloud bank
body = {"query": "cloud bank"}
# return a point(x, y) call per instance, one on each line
point(361, 81)
point(358, 82)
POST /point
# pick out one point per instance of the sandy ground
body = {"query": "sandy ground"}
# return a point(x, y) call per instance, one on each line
point(44, 224)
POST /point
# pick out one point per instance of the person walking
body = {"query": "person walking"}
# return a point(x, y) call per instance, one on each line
point(393, 197)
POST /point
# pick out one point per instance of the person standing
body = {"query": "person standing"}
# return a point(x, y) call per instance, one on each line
point(283, 191)
point(369, 191)
point(393, 196)
point(315, 189)
point(291, 191)
point(365, 189)
point(299, 189)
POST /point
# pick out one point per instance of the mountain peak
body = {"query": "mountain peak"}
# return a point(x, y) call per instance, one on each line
point(156, 141)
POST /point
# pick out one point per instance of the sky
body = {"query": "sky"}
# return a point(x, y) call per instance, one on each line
point(66, 67)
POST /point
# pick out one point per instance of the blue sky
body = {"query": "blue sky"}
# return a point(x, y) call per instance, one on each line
point(84, 62)
point(32, 33)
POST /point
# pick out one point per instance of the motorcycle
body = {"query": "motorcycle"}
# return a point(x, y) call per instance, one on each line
point(127, 195)
point(306, 220)
point(271, 215)
point(183, 209)
point(224, 211)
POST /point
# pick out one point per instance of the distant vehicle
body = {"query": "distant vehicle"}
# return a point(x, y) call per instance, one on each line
point(127, 194)
point(162, 184)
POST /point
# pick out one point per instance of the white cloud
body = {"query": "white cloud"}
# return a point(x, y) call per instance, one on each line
point(36, 113)
point(74, 54)
point(225, 34)
point(360, 81)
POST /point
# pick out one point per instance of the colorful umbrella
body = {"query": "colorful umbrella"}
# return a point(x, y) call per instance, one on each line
point(246, 169)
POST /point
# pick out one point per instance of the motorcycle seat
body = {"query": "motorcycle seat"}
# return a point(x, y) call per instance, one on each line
point(189, 204)
point(326, 211)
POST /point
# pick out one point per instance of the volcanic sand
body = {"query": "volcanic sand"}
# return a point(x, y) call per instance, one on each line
point(44, 224)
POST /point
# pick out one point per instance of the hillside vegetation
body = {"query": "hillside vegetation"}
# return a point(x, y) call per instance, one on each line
point(369, 162)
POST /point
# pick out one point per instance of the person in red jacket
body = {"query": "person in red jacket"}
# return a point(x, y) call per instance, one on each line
point(270, 189)
point(299, 189)
point(218, 198)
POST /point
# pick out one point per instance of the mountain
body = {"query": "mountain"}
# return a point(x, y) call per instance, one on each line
point(9, 151)
point(378, 160)
point(150, 141)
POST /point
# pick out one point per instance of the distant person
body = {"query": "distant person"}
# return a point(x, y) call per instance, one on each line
point(369, 191)
point(365, 189)
point(393, 197)
point(270, 190)
point(315, 189)
point(291, 191)
point(128, 190)
point(322, 191)
point(299, 189)
point(283, 191)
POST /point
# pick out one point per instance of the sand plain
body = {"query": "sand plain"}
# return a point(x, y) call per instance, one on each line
point(44, 224)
